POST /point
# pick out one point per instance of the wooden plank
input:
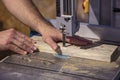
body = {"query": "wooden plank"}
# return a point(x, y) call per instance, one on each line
point(39, 64)
point(101, 52)
point(17, 72)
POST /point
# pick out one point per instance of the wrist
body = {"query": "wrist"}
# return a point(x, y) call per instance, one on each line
point(45, 27)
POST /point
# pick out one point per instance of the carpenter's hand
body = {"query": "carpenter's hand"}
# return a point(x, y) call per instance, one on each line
point(15, 41)
point(51, 35)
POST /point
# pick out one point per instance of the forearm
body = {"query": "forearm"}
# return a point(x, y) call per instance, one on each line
point(25, 11)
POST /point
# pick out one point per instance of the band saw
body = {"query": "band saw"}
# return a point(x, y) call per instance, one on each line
point(101, 26)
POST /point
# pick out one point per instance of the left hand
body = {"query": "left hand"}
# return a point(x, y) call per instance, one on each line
point(15, 41)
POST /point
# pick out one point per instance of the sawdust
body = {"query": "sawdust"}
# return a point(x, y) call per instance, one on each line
point(101, 64)
point(26, 59)
point(45, 60)
point(84, 71)
point(41, 60)
point(70, 67)
point(93, 63)
point(29, 59)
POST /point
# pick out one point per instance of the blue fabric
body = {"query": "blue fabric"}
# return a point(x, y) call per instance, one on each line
point(32, 33)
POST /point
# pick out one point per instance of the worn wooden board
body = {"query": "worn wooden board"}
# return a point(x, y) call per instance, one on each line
point(44, 66)
point(97, 51)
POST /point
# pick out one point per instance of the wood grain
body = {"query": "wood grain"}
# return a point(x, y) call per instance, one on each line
point(46, 65)
point(101, 52)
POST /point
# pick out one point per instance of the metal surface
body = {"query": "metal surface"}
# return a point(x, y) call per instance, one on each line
point(94, 12)
point(103, 21)
point(100, 13)
point(97, 32)
point(44, 66)
point(63, 34)
point(66, 16)
point(18, 72)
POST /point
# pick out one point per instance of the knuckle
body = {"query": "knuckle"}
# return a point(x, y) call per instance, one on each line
point(9, 40)
point(8, 46)
point(10, 35)
point(12, 31)
point(45, 39)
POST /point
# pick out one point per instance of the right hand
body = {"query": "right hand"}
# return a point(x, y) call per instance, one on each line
point(15, 41)
point(51, 35)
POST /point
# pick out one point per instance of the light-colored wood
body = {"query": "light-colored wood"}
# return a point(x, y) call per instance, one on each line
point(102, 52)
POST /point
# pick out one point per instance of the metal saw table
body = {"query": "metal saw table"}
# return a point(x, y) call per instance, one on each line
point(44, 66)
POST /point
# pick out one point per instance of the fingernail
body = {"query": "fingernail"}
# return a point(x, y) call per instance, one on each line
point(55, 47)
point(31, 51)
point(34, 48)
point(58, 50)
point(33, 41)
point(25, 53)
